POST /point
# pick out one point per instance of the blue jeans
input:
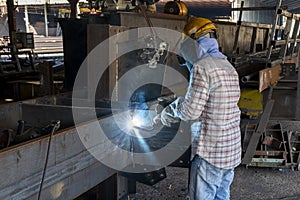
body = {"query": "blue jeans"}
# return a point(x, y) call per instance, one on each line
point(208, 182)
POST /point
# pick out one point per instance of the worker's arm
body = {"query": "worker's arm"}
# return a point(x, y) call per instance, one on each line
point(191, 106)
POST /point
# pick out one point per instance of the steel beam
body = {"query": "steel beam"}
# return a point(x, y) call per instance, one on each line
point(298, 92)
point(258, 132)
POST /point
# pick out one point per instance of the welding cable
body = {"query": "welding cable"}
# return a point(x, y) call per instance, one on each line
point(148, 21)
point(132, 149)
point(56, 125)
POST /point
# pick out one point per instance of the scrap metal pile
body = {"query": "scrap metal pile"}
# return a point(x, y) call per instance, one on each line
point(278, 146)
point(269, 78)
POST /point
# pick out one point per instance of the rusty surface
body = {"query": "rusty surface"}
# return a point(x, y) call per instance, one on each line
point(268, 77)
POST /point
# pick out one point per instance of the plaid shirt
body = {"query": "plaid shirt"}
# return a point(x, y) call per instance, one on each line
point(212, 98)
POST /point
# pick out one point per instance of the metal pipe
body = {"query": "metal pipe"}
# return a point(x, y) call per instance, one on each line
point(248, 78)
point(298, 91)
point(46, 20)
point(148, 21)
point(11, 18)
point(254, 8)
point(26, 19)
point(21, 127)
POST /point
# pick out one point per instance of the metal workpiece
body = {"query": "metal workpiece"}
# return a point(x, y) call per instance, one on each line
point(278, 146)
point(71, 167)
point(258, 132)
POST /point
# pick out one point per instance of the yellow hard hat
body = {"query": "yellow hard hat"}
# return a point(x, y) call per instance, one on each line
point(197, 26)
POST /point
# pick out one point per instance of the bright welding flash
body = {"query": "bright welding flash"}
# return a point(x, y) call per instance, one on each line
point(134, 122)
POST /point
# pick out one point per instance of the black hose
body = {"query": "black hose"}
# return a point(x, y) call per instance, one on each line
point(56, 125)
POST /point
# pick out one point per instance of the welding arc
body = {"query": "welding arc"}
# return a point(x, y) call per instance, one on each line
point(56, 125)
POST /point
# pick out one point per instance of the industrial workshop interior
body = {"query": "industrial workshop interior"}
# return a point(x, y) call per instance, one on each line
point(87, 88)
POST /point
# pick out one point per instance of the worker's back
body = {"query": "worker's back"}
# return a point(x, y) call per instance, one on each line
point(219, 140)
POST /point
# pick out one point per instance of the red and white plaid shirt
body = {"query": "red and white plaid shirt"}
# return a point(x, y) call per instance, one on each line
point(212, 98)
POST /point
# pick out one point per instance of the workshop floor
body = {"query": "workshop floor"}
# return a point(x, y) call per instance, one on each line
point(251, 183)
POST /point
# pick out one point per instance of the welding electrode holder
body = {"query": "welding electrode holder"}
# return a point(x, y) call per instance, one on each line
point(164, 102)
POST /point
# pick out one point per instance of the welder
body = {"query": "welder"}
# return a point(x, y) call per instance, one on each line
point(211, 100)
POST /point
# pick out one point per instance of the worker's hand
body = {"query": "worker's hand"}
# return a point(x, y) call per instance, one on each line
point(168, 117)
point(157, 120)
point(163, 102)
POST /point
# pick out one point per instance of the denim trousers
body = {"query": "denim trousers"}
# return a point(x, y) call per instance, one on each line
point(208, 182)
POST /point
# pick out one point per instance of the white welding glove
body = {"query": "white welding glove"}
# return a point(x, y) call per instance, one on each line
point(169, 115)
point(163, 102)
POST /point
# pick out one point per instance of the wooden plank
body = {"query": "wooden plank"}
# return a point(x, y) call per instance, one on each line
point(253, 41)
point(244, 38)
point(266, 39)
point(288, 14)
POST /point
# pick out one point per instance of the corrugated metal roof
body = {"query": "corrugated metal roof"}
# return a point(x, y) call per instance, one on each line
point(205, 3)
point(293, 5)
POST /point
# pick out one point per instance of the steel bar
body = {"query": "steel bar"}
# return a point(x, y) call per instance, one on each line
point(237, 32)
point(261, 128)
point(46, 20)
point(46, 78)
point(295, 40)
point(11, 19)
point(266, 162)
point(254, 8)
point(287, 31)
point(273, 32)
point(298, 92)
point(269, 153)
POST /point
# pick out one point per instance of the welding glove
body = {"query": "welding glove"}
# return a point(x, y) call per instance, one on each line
point(163, 102)
point(168, 116)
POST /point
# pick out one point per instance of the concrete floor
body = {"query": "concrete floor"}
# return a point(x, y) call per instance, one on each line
point(251, 183)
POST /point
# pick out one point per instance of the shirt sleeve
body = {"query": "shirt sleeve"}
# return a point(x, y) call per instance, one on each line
point(191, 106)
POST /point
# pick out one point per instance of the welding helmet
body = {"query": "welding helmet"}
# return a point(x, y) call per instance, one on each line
point(197, 27)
